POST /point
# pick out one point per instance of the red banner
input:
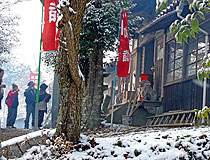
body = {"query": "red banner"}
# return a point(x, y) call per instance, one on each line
point(49, 42)
point(123, 68)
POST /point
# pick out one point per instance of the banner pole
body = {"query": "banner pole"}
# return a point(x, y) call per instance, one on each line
point(40, 58)
point(115, 76)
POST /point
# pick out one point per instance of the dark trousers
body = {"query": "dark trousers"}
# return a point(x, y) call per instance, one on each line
point(40, 118)
point(30, 109)
point(0, 104)
point(12, 115)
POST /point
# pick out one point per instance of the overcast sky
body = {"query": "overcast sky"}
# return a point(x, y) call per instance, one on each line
point(30, 28)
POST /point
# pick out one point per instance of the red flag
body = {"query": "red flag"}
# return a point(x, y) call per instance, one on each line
point(49, 31)
point(123, 68)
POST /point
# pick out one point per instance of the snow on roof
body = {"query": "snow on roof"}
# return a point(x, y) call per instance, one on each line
point(162, 14)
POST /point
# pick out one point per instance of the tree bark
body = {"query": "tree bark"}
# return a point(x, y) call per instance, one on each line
point(95, 91)
point(70, 83)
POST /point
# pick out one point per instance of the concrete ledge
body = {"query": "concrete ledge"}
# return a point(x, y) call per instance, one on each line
point(16, 147)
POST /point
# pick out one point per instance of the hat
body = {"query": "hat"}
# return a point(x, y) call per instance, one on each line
point(31, 83)
point(14, 86)
point(43, 86)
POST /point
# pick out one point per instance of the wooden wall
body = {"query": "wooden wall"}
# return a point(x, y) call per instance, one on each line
point(187, 95)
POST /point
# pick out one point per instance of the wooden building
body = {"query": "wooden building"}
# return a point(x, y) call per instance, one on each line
point(172, 66)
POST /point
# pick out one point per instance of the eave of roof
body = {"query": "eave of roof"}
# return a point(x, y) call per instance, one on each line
point(163, 20)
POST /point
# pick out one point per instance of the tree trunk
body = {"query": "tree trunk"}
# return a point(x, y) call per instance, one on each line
point(70, 83)
point(95, 91)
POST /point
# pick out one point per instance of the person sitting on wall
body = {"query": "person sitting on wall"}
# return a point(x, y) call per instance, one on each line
point(44, 98)
point(12, 103)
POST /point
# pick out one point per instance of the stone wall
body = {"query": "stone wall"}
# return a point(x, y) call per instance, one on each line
point(18, 149)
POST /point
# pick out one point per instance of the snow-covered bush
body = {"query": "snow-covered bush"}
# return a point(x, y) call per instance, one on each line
point(204, 71)
point(203, 114)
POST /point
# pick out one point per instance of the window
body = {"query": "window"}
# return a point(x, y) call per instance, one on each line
point(195, 54)
point(174, 61)
point(184, 61)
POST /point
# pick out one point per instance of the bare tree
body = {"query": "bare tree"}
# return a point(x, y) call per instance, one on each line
point(70, 81)
point(8, 33)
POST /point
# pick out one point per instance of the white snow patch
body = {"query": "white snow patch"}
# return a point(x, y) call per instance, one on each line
point(80, 74)
point(150, 144)
point(70, 25)
point(72, 10)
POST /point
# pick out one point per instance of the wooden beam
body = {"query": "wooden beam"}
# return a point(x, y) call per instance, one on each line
point(176, 119)
point(172, 118)
point(188, 118)
point(20, 148)
point(156, 121)
point(162, 118)
point(172, 125)
point(182, 119)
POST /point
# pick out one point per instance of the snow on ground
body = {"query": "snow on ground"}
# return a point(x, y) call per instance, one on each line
point(144, 144)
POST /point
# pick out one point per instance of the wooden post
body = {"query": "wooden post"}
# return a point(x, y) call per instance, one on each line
point(55, 101)
point(36, 118)
point(40, 56)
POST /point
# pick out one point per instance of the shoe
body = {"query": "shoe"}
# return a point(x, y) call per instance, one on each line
point(9, 127)
point(14, 127)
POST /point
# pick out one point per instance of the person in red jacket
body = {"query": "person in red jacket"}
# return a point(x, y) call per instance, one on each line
point(12, 103)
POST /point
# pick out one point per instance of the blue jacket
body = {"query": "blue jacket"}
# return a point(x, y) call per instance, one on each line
point(30, 95)
point(16, 102)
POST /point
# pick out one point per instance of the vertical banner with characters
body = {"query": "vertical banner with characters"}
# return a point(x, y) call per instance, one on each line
point(124, 62)
point(49, 42)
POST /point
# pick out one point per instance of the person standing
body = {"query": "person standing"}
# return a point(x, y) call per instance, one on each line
point(43, 97)
point(30, 94)
point(1, 86)
point(12, 103)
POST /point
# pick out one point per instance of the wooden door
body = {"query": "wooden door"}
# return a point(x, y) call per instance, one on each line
point(158, 72)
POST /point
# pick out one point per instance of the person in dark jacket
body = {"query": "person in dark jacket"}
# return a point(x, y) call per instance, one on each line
point(1, 86)
point(43, 96)
point(30, 94)
point(12, 103)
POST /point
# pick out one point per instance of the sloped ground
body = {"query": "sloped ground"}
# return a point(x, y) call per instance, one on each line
point(6, 133)
point(129, 143)
point(11, 133)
